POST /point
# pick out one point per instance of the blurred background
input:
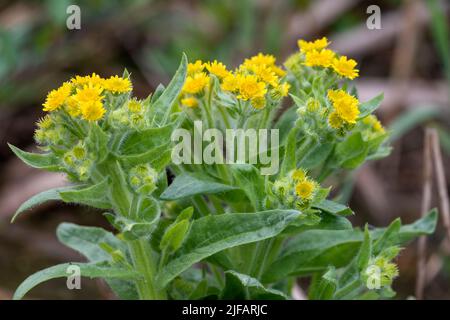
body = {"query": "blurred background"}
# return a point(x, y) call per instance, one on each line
point(408, 59)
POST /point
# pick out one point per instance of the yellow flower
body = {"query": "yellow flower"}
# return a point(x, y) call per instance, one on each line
point(250, 88)
point(196, 83)
point(335, 121)
point(116, 84)
point(93, 79)
point(88, 93)
point(345, 105)
point(373, 122)
point(231, 82)
point(284, 89)
point(322, 58)
point(73, 107)
point(190, 102)
point(260, 59)
point(218, 69)
point(345, 67)
point(299, 175)
point(92, 110)
point(134, 106)
point(319, 44)
point(195, 67)
point(305, 189)
point(265, 74)
point(56, 98)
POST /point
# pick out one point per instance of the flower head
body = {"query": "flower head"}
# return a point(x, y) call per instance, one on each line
point(195, 67)
point(134, 106)
point(92, 110)
point(305, 189)
point(374, 123)
point(260, 59)
point(335, 121)
point(56, 98)
point(345, 105)
point(231, 82)
point(319, 44)
point(116, 84)
point(88, 93)
point(218, 69)
point(322, 58)
point(196, 83)
point(250, 88)
point(189, 102)
point(345, 67)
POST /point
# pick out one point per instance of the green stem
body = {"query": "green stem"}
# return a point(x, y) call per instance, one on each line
point(144, 264)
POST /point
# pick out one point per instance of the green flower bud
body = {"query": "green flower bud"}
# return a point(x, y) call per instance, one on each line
point(143, 178)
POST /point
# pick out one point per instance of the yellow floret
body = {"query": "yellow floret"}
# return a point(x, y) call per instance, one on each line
point(195, 67)
point(88, 93)
point(305, 189)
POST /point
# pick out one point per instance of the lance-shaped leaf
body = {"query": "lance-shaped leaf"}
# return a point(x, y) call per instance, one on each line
point(141, 141)
point(90, 241)
point(99, 270)
point(191, 184)
point(289, 160)
point(158, 157)
point(352, 151)
point(45, 161)
point(323, 288)
point(212, 234)
point(248, 178)
point(370, 106)
point(94, 196)
point(161, 108)
point(333, 207)
point(48, 195)
point(240, 286)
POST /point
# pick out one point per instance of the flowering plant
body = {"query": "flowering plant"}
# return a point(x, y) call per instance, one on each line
point(220, 228)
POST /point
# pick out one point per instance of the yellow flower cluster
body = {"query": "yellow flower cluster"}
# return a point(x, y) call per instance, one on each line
point(296, 190)
point(317, 54)
point(305, 188)
point(346, 110)
point(251, 81)
point(374, 124)
point(83, 95)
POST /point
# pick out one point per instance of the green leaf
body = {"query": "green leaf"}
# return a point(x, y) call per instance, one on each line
point(144, 224)
point(333, 207)
point(98, 140)
point(45, 161)
point(87, 240)
point(139, 142)
point(388, 237)
point(352, 151)
point(290, 160)
point(99, 270)
point(324, 287)
point(48, 195)
point(240, 286)
point(162, 106)
point(248, 178)
point(191, 184)
point(94, 196)
point(158, 157)
point(316, 155)
point(365, 251)
point(370, 106)
point(212, 234)
point(174, 236)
